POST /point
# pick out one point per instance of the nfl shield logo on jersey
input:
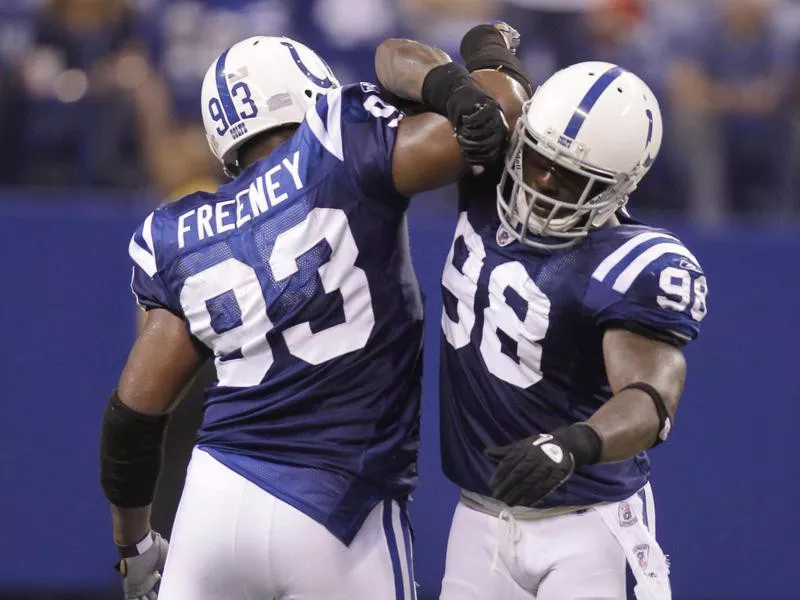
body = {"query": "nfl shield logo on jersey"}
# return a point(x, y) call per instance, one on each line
point(642, 552)
point(626, 515)
point(503, 237)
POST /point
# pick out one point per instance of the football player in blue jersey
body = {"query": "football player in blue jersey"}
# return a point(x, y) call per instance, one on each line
point(563, 327)
point(296, 278)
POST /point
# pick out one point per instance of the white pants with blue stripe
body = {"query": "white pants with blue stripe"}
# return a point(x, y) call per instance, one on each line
point(592, 554)
point(234, 541)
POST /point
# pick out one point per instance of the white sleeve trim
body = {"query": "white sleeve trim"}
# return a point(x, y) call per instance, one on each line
point(329, 134)
point(133, 291)
point(616, 257)
point(147, 233)
point(632, 271)
point(144, 257)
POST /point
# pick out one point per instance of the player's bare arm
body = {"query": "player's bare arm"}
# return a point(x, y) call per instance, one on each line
point(647, 377)
point(162, 362)
point(630, 423)
point(401, 66)
point(427, 154)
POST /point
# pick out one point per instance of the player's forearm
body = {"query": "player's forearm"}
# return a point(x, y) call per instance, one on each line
point(402, 65)
point(130, 524)
point(647, 376)
point(627, 424)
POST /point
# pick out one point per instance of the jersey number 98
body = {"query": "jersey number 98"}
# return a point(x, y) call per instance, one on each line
point(514, 322)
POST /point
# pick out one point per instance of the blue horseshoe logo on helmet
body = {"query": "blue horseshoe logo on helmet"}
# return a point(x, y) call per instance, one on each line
point(323, 83)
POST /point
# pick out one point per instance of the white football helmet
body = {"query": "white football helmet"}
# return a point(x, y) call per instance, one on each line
point(258, 84)
point(595, 119)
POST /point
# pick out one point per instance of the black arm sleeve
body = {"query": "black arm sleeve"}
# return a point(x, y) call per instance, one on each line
point(130, 454)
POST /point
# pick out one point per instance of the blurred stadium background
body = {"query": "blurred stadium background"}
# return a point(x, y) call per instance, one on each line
point(99, 123)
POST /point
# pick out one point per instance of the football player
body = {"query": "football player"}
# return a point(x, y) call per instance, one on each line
point(563, 330)
point(296, 278)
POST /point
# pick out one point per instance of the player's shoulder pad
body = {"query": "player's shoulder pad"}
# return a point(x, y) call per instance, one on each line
point(648, 277)
point(142, 248)
point(636, 253)
point(149, 242)
point(351, 104)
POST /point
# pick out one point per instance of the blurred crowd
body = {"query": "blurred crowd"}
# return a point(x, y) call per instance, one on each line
point(104, 93)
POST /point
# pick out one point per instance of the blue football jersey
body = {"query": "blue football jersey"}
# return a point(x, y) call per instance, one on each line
point(297, 277)
point(522, 338)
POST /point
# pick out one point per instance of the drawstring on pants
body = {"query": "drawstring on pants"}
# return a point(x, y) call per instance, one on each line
point(508, 536)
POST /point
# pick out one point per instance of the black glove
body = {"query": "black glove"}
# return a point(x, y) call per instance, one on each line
point(483, 133)
point(510, 35)
point(494, 46)
point(530, 469)
point(480, 126)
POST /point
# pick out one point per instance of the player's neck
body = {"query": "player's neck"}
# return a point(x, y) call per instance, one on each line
point(264, 145)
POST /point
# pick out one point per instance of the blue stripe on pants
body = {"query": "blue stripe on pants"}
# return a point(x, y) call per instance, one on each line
point(630, 583)
point(407, 539)
point(641, 493)
point(394, 554)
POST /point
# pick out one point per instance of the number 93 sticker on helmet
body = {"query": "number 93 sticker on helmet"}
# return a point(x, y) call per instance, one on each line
point(241, 99)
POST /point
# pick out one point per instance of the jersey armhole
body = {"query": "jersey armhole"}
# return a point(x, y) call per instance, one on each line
point(673, 338)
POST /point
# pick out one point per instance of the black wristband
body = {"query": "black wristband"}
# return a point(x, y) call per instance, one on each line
point(664, 420)
point(441, 82)
point(484, 47)
point(582, 441)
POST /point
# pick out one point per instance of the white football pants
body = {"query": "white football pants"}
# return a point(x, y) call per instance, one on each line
point(574, 556)
point(234, 541)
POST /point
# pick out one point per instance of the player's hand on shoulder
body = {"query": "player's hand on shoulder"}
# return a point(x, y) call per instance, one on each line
point(483, 131)
point(480, 126)
point(142, 573)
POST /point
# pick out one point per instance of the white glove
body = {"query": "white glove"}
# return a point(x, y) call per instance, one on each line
point(142, 573)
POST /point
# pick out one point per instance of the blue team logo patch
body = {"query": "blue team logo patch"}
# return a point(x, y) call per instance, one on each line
point(565, 141)
point(503, 238)
point(626, 515)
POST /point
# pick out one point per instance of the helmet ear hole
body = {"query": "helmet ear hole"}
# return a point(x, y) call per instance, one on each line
point(309, 93)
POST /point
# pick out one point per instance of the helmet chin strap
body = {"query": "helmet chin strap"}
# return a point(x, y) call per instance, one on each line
point(604, 215)
point(231, 169)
